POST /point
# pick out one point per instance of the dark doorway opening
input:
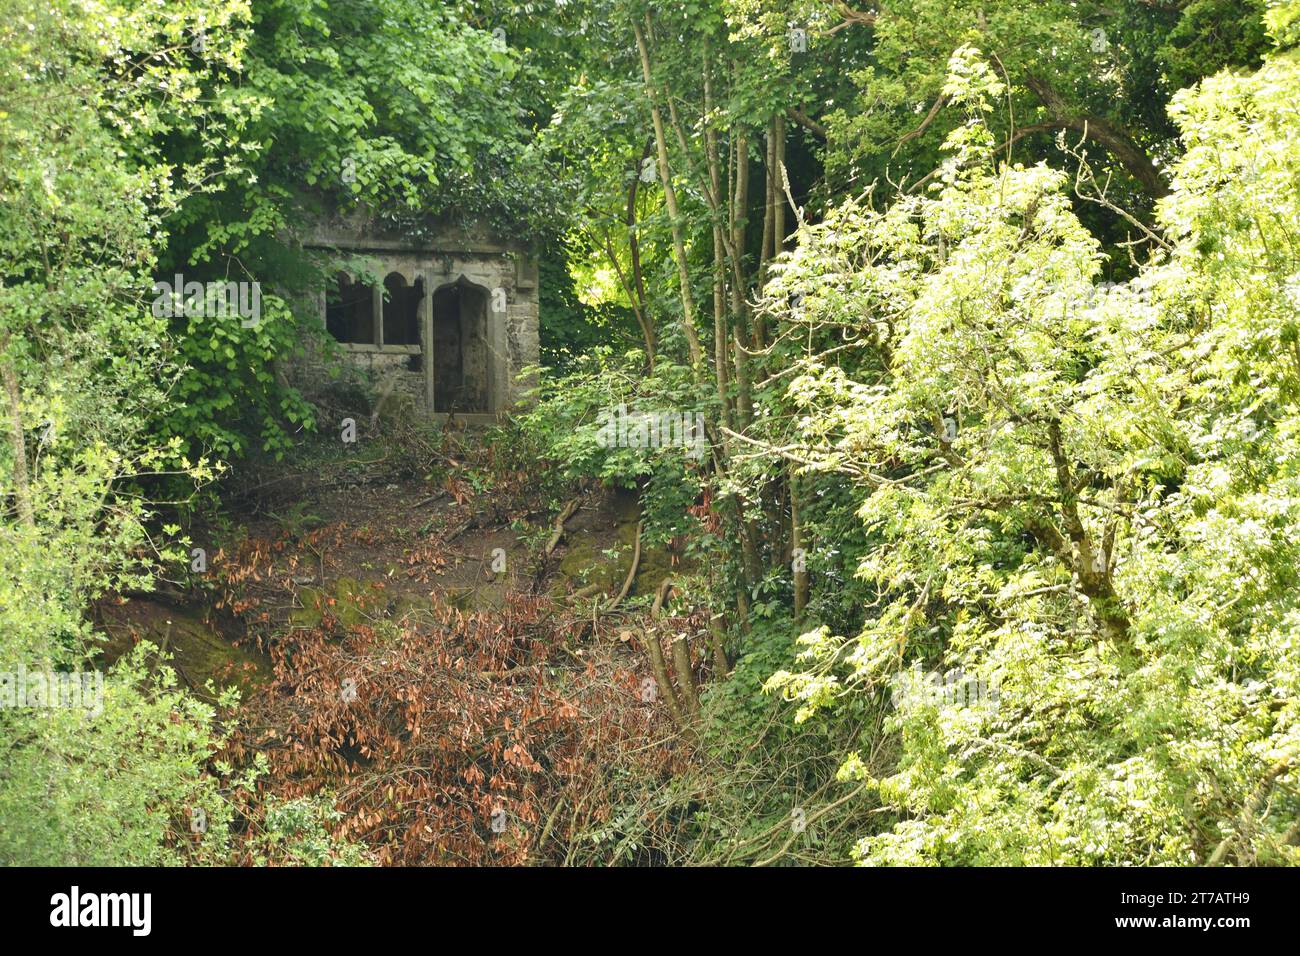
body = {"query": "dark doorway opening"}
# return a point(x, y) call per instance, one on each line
point(460, 349)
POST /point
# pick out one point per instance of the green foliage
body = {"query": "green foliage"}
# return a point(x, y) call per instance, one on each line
point(1066, 483)
point(1282, 20)
point(84, 367)
point(296, 833)
point(1213, 35)
point(568, 326)
point(125, 785)
point(571, 423)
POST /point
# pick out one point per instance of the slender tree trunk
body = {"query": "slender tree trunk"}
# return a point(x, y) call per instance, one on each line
point(720, 331)
point(742, 609)
point(720, 334)
point(798, 552)
point(718, 642)
point(769, 221)
point(739, 211)
point(670, 201)
point(685, 676)
point(638, 295)
point(778, 205)
point(638, 304)
point(744, 402)
point(17, 438)
point(769, 200)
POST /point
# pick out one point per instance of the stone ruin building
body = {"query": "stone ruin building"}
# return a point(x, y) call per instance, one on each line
point(450, 325)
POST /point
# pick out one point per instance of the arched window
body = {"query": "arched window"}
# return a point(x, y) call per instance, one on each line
point(349, 312)
point(402, 310)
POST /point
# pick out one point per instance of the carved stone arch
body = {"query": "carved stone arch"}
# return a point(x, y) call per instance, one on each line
point(409, 273)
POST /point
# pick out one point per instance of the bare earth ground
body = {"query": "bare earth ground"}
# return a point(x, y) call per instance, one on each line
point(375, 546)
point(486, 675)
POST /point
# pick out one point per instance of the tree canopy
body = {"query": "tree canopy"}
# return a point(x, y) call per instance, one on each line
point(985, 550)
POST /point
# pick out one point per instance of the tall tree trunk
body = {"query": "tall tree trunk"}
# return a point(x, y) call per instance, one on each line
point(769, 219)
point(637, 284)
point(778, 207)
point(798, 552)
point(670, 201)
point(739, 212)
point(720, 331)
point(17, 438)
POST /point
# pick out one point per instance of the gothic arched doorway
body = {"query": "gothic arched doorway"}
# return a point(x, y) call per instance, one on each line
point(461, 353)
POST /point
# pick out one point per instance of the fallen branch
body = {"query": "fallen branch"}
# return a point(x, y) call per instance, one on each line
point(810, 818)
point(631, 572)
point(474, 522)
point(591, 590)
point(565, 514)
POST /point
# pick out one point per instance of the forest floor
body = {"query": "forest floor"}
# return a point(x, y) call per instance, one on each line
point(367, 541)
point(411, 614)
